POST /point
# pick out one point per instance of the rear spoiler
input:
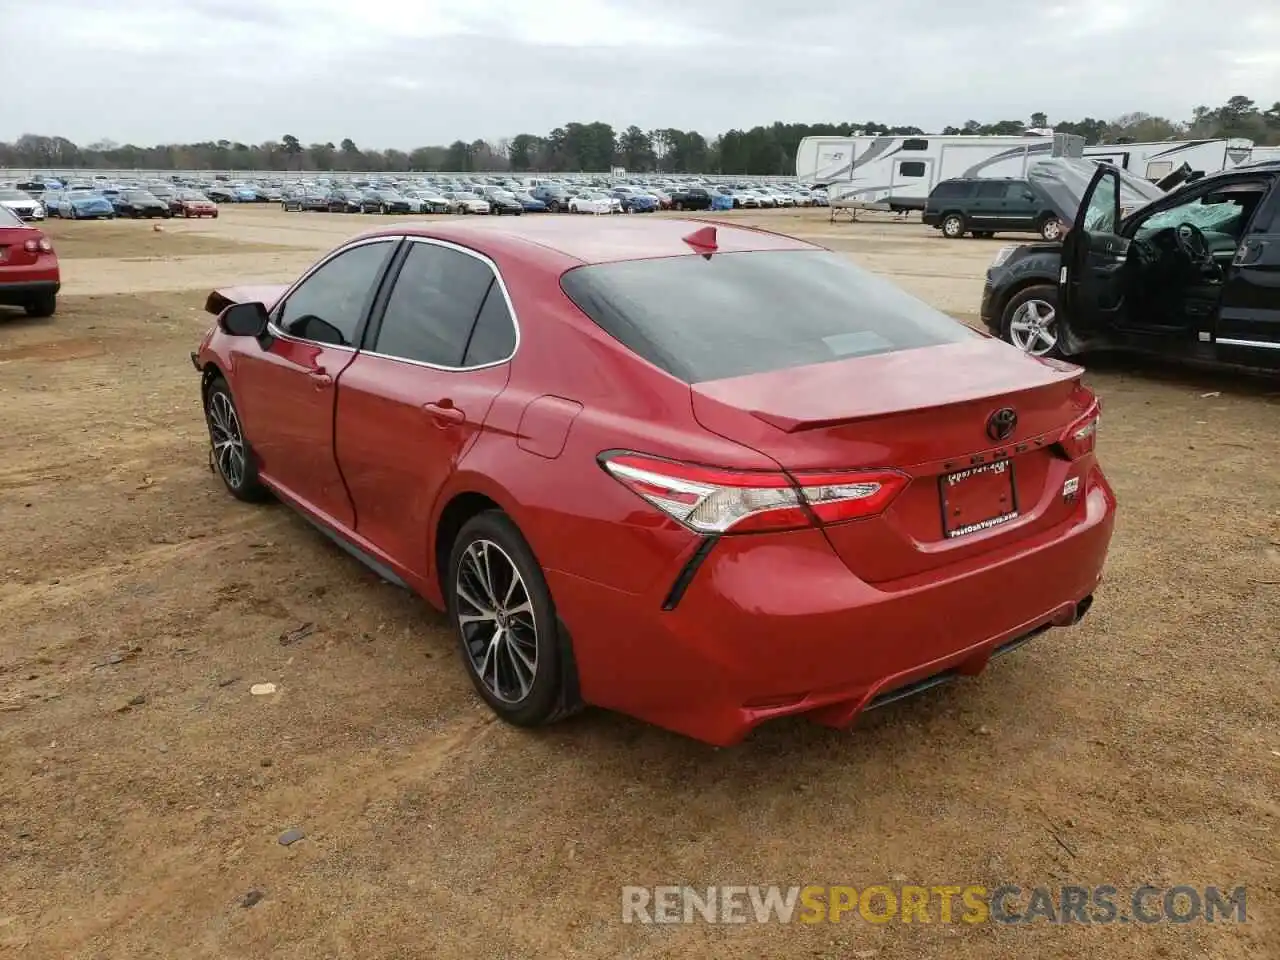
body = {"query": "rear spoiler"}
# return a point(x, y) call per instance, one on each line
point(266, 294)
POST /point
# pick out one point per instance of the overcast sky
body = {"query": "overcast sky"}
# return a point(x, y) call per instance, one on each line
point(403, 73)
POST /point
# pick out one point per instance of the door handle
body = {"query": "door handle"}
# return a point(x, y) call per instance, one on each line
point(319, 376)
point(444, 412)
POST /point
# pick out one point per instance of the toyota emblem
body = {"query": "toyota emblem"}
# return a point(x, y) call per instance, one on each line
point(1001, 424)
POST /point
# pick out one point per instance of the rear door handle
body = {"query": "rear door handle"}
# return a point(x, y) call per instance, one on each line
point(319, 376)
point(444, 412)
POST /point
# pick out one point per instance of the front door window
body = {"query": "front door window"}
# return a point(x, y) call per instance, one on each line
point(1100, 216)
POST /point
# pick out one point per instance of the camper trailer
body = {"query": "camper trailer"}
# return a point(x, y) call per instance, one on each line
point(1263, 154)
point(897, 173)
point(1154, 161)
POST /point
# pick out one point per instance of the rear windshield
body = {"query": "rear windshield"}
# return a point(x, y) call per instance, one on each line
point(740, 313)
point(10, 219)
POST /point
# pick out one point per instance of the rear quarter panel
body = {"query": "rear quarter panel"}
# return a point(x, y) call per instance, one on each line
point(577, 518)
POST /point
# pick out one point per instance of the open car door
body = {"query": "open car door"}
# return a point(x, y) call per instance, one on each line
point(1091, 283)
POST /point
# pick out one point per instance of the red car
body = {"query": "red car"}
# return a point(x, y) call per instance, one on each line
point(29, 276)
point(192, 203)
point(704, 478)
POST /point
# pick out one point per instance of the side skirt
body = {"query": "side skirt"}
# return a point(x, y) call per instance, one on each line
point(385, 572)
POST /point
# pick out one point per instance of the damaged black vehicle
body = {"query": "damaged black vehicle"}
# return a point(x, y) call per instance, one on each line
point(1191, 274)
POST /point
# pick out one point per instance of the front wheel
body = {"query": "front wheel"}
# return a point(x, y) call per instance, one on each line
point(506, 624)
point(1030, 321)
point(953, 226)
point(230, 453)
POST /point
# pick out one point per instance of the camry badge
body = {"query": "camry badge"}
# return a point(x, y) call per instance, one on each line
point(1002, 423)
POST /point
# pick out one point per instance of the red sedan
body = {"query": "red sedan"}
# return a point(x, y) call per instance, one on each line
point(192, 203)
point(705, 478)
point(29, 275)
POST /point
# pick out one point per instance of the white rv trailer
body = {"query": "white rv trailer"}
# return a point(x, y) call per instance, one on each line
point(1263, 154)
point(898, 173)
point(1154, 161)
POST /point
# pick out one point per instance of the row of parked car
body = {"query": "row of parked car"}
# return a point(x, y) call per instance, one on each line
point(509, 196)
point(82, 199)
point(92, 202)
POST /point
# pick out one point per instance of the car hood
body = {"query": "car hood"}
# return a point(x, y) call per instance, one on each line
point(1064, 181)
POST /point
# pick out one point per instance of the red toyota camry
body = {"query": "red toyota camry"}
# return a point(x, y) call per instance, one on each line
point(701, 474)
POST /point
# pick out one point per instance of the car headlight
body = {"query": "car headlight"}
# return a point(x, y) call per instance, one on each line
point(1003, 254)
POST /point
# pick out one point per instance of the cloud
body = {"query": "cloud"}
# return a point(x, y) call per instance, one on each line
point(404, 73)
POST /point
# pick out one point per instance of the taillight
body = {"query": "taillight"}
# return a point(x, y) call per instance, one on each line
point(41, 245)
point(1080, 439)
point(714, 500)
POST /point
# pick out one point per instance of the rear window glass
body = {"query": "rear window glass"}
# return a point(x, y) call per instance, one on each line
point(951, 188)
point(10, 219)
point(734, 314)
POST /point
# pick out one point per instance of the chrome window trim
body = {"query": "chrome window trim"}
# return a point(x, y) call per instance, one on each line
point(275, 330)
point(506, 295)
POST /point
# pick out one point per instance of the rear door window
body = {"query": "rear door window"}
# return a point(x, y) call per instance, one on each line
point(741, 313)
point(992, 190)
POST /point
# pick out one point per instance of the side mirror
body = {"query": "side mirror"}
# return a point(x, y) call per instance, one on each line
point(244, 320)
point(1028, 195)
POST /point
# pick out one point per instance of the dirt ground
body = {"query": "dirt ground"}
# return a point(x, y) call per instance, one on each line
point(144, 787)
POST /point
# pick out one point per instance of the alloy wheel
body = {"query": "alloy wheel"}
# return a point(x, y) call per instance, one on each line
point(495, 615)
point(228, 440)
point(1033, 328)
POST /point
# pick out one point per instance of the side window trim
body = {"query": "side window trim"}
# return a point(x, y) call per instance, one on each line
point(273, 324)
point(374, 325)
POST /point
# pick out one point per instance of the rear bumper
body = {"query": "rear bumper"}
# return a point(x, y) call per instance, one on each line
point(765, 631)
point(18, 293)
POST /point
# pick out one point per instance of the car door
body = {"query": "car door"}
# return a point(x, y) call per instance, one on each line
point(1092, 276)
point(1021, 206)
point(286, 391)
point(988, 206)
point(1248, 325)
point(416, 397)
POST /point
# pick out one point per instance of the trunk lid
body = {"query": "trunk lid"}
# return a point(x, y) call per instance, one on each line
point(924, 412)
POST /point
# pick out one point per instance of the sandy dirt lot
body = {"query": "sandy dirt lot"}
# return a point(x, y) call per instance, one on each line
point(143, 787)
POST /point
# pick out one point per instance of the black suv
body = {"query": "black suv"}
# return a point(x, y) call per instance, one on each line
point(1190, 274)
point(691, 198)
point(985, 207)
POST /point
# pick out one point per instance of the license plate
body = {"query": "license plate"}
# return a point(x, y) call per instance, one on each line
point(978, 498)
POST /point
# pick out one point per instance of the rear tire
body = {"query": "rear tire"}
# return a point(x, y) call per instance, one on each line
point(953, 226)
point(232, 457)
point(512, 645)
point(1050, 229)
point(44, 305)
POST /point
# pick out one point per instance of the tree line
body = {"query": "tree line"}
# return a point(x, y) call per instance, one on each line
point(762, 150)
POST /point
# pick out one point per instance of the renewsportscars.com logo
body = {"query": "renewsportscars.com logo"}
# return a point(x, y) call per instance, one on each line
point(943, 903)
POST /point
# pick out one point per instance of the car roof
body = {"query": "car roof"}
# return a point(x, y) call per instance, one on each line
point(597, 240)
